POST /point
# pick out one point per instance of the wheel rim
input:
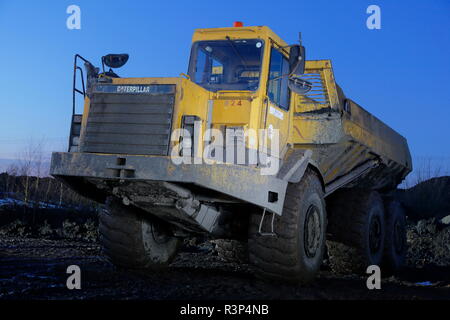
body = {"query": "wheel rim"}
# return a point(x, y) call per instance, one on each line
point(312, 231)
point(375, 234)
point(159, 234)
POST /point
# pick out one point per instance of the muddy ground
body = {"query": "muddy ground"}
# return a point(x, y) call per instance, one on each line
point(38, 244)
point(36, 269)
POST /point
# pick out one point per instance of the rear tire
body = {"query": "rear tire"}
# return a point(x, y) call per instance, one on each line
point(295, 254)
point(395, 246)
point(132, 241)
point(356, 230)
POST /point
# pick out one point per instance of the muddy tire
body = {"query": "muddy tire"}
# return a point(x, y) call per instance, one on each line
point(395, 245)
point(231, 250)
point(356, 230)
point(295, 254)
point(132, 241)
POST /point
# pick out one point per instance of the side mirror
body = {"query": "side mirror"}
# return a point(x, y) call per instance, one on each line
point(115, 60)
point(297, 59)
point(299, 85)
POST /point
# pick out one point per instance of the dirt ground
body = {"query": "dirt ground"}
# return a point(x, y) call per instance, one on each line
point(36, 269)
point(37, 246)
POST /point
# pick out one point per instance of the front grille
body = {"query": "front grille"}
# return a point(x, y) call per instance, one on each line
point(129, 119)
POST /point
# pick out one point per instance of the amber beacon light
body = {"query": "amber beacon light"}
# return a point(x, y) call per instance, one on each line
point(237, 24)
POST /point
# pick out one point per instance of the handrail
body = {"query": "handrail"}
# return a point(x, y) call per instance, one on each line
point(74, 89)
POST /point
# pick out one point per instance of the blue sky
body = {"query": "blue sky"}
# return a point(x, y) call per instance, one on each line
point(399, 73)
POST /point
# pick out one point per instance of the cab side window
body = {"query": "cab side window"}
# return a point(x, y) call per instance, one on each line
point(278, 90)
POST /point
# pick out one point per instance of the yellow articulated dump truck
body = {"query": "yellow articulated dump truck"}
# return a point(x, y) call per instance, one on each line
point(254, 145)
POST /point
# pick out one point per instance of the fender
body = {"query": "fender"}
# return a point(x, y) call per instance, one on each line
point(295, 163)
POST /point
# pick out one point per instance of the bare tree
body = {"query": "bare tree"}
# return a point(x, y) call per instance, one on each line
point(30, 163)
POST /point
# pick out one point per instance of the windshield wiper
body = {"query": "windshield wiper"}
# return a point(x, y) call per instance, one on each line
point(236, 51)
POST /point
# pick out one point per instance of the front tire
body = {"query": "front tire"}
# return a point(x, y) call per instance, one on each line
point(130, 240)
point(295, 253)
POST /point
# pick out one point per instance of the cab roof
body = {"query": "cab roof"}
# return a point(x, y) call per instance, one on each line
point(255, 32)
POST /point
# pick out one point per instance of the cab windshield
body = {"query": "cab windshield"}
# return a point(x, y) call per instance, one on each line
point(227, 64)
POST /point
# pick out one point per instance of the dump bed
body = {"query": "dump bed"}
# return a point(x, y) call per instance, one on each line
point(350, 146)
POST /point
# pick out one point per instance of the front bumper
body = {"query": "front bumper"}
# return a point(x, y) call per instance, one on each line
point(244, 183)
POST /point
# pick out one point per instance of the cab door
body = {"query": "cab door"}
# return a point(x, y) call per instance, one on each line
point(278, 99)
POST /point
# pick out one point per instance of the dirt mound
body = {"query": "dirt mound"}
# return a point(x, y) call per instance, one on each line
point(69, 230)
point(428, 199)
point(429, 243)
point(48, 223)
